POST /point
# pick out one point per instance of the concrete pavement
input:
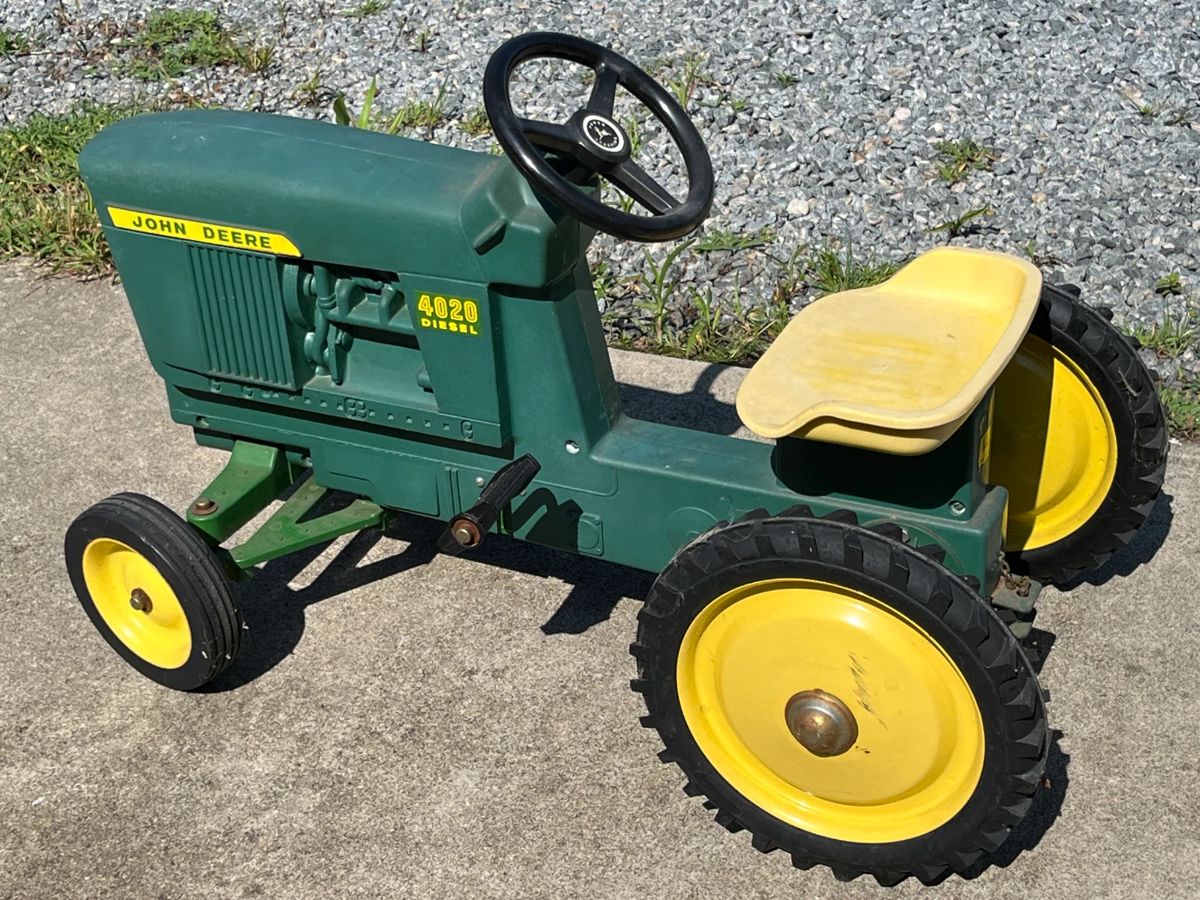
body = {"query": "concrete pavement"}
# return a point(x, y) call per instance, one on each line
point(403, 724)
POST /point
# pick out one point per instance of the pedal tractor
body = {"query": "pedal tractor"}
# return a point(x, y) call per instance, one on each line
point(832, 649)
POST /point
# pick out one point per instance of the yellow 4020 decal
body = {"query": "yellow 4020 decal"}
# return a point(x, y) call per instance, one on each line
point(448, 314)
point(203, 232)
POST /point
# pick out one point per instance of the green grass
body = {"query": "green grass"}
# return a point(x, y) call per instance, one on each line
point(1168, 340)
point(476, 123)
point(45, 210)
point(636, 139)
point(786, 79)
point(963, 224)
point(13, 43)
point(957, 159)
point(367, 8)
point(174, 41)
point(723, 239)
point(423, 40)
point(1041, 259)
point(1172, 337)
point(311, 91)
point(828, 270)
point(731, 329)
point(1170, 285)
point(427, 114)
point(660, 285)
point(1182, 405)
point(1143, 108)
point(688, 75)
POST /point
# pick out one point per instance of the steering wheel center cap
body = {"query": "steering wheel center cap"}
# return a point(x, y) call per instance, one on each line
point(604, 133)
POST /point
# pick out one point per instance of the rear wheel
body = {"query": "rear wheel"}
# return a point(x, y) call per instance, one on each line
point(1079, 438)
point(154, 590)
point(841, 696)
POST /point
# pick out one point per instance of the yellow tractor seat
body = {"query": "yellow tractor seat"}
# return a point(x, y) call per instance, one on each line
point(896, 367)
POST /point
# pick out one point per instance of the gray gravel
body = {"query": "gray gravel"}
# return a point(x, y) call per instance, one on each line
point(821, 118)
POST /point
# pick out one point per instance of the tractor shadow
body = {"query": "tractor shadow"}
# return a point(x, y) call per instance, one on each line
point(698, 409)
point(1143, 548)
point(274, 611)
point(1043, 813)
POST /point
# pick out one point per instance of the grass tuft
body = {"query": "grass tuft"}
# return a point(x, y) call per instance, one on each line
point(1172, 337)
point(427, 114)
point(171, 42)
point(45, 210)
point(1170, 285)
point(13, 43)
point(423, 40)
point(689, 75)
point(965, 224)
point(723, 239)
point(367, 8)
point(1182, 405)
point(959, 158)
point(476, 123)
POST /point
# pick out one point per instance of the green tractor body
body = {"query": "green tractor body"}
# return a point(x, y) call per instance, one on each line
point(406, 318)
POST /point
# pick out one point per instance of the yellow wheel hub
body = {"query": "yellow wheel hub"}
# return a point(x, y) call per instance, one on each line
point(831, 711)
point(136, 602)
point(1053, 446)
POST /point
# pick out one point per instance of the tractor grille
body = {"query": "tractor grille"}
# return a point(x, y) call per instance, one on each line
point(241, 309)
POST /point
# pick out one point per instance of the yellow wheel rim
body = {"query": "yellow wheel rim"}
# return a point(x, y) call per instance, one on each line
point(1053, 446)
point(918, 751)
point(119, 581)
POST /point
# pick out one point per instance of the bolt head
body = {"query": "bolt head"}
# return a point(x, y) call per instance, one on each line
point(821, 722)
point(204, 506)
point(140, 600)
point(466, 533)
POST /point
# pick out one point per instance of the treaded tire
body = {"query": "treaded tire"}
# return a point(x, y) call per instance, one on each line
point(834, 550)
point(189, 566)
point(1127, 388)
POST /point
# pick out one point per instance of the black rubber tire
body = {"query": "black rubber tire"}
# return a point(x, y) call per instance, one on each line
point(835, 550)
point(189, 566)
point(1111, 361)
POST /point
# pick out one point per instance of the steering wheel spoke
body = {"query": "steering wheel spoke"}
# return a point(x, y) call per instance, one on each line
point(638, 184)
point(604, 92)
point(549, 135)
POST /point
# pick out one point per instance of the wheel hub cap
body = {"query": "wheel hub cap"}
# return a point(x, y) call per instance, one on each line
point(830, 711)
point(821, 722)
point(121, 582)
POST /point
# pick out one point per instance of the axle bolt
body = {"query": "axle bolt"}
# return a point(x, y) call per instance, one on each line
point(821, 722)
point(140, 600)
point(466, 533)
point(204, 507)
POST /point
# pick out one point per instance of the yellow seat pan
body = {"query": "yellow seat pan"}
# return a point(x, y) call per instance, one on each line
point(896, 367)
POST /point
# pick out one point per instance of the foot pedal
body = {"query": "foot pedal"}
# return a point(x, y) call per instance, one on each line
point(466, 530)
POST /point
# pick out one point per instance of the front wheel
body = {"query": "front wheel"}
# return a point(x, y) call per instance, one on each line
point(841, 696)
point(1079, 438)
point(154, 590)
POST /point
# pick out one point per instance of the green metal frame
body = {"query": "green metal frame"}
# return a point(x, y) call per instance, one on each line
point(252, 479)
point(349, 361)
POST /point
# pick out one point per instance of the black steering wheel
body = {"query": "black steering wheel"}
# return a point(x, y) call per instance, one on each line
point(596, 143)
